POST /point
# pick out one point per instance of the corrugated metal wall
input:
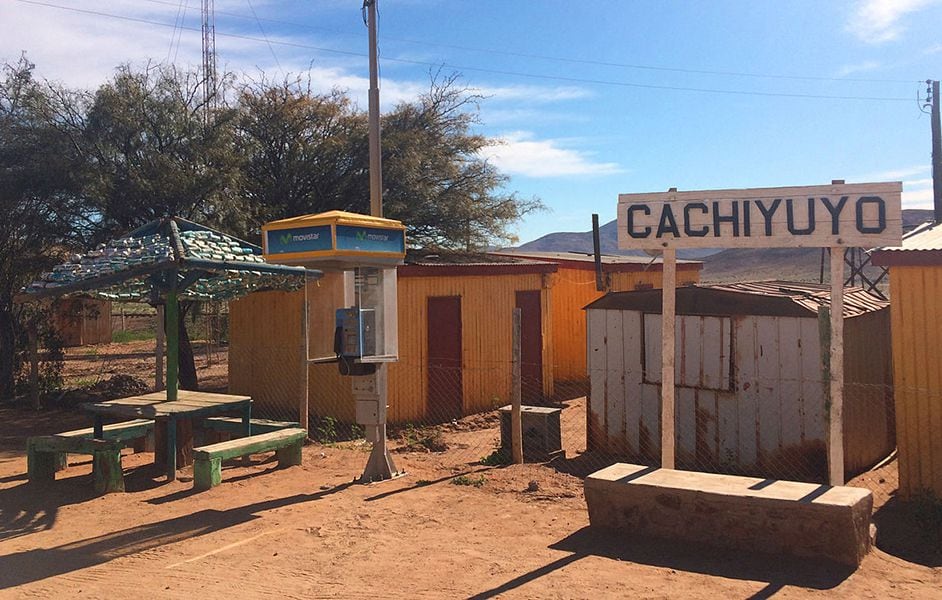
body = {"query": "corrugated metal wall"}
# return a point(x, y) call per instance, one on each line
point(768, 419)
point(917, 337)
point(265, 351)
point(573, 289)
point(265, 346)
point(487, 304)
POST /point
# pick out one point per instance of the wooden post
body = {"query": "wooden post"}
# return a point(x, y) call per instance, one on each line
point(516, 427)
point(173, 345)
point(836, 412)
point(33, 366)
point(303, 405)
point(159, 351)
point(669, 284)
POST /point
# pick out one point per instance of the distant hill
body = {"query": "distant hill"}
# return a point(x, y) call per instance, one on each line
point(608, 242)
point(794, 264)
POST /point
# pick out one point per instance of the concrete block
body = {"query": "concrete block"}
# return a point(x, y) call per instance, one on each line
point(740, 513)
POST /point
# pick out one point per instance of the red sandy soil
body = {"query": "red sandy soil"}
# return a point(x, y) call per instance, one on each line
point(308, 532)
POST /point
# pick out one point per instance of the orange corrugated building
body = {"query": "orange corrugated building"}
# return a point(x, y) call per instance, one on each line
point(574, 287)
point(455, 341)
point(916, 305)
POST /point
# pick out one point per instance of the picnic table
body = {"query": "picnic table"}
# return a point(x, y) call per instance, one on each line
point(189, 405)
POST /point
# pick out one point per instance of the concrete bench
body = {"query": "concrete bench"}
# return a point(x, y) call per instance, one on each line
point(43, 452)
point(741, 513)
point(207, 460)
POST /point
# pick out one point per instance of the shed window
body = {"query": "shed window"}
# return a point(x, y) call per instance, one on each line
point(703, 355)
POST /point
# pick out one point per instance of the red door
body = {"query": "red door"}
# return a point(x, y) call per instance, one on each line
point(444, 358)
point(531, 347)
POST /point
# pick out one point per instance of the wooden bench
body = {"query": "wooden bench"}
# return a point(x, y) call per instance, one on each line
point(207, 460)
point(137, 429)
point(43, 452)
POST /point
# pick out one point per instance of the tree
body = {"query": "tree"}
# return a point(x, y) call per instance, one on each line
point(308, 153)
point(435, 179)
point(39, 199)
point(302, 151)
point(153, 150)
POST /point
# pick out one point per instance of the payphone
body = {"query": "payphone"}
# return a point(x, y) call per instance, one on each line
point(358, 255)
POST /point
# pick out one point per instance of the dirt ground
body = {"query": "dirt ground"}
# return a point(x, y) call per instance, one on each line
point(308, 532)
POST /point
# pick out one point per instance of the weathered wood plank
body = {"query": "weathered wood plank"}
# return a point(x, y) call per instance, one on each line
point(597, 361)
point(615, 378)
point(234, 424)
point(250, 445)
point(631, 320)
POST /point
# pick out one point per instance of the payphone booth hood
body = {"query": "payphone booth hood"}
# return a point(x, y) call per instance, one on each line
point(335, 239)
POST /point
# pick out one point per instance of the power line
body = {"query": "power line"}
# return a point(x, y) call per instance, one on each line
point(521, 74)
point(580, 61)
point(264, 35)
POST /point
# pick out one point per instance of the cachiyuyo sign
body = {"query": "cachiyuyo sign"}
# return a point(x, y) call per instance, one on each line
point(854, 215)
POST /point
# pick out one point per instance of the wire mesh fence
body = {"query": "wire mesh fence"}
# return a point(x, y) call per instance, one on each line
point(768, 428)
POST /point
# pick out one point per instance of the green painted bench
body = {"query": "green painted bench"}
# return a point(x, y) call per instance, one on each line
point(134, 430)
point(207, 460)
point(43, 452)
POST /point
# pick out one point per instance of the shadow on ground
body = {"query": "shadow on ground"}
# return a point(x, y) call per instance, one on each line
point(776, 571)
point(910, 531)
point(37, 564)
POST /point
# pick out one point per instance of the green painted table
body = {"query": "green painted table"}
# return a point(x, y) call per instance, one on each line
point(188, 405)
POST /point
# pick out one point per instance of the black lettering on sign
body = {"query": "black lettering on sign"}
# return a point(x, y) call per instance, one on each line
point(733, 218)
point(790, 218)
point(667, 223)
point(746, 219)
point(695, 232)
point(881, 214)
point(631, 226)
point(767, 213)
point(835, 213)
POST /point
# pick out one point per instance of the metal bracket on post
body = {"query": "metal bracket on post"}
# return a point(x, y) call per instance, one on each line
point(370, 394)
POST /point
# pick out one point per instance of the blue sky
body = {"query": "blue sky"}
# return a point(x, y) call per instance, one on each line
point(588, 99)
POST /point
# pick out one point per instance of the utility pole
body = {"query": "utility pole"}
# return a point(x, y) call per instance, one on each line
point(209, 59)
point(376, 159)
point(936, 151)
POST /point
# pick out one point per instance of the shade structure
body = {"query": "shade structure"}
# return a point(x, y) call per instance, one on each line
point(163, 262)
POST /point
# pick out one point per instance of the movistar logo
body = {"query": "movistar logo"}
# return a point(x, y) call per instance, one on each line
point(286, 238)
point(361, 235)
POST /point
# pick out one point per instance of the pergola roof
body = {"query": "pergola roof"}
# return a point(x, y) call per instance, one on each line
point(206, 264)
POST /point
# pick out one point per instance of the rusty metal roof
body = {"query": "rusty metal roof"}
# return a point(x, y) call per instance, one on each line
point(766, 298)
point(857, 301)
point(921, 246)
point(607, 259)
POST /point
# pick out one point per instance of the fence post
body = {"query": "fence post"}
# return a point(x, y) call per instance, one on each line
point(515, 418)
point(33, 366)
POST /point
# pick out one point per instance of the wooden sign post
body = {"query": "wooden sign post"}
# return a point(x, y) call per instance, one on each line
point(836, 216)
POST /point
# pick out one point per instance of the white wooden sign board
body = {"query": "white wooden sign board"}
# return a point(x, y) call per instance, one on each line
point(857, 215)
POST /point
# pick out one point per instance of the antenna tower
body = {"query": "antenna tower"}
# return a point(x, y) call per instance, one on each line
point(209, 57)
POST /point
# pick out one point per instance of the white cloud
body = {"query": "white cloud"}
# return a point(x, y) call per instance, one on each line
point(878, 21)
point(917, 193)
point(901, 173)
point(517, 153)
point(863, 67)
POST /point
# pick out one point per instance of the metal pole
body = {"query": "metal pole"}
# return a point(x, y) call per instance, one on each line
point(516, 427)
point(376, 166)
point(305, 357)
point(936, 154)
point(667, 358)
point(597, 250)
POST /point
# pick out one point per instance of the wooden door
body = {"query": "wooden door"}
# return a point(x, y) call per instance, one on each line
point(531, 346)
point(444, 358)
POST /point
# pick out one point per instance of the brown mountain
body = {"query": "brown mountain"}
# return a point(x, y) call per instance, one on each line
point(741, 264)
